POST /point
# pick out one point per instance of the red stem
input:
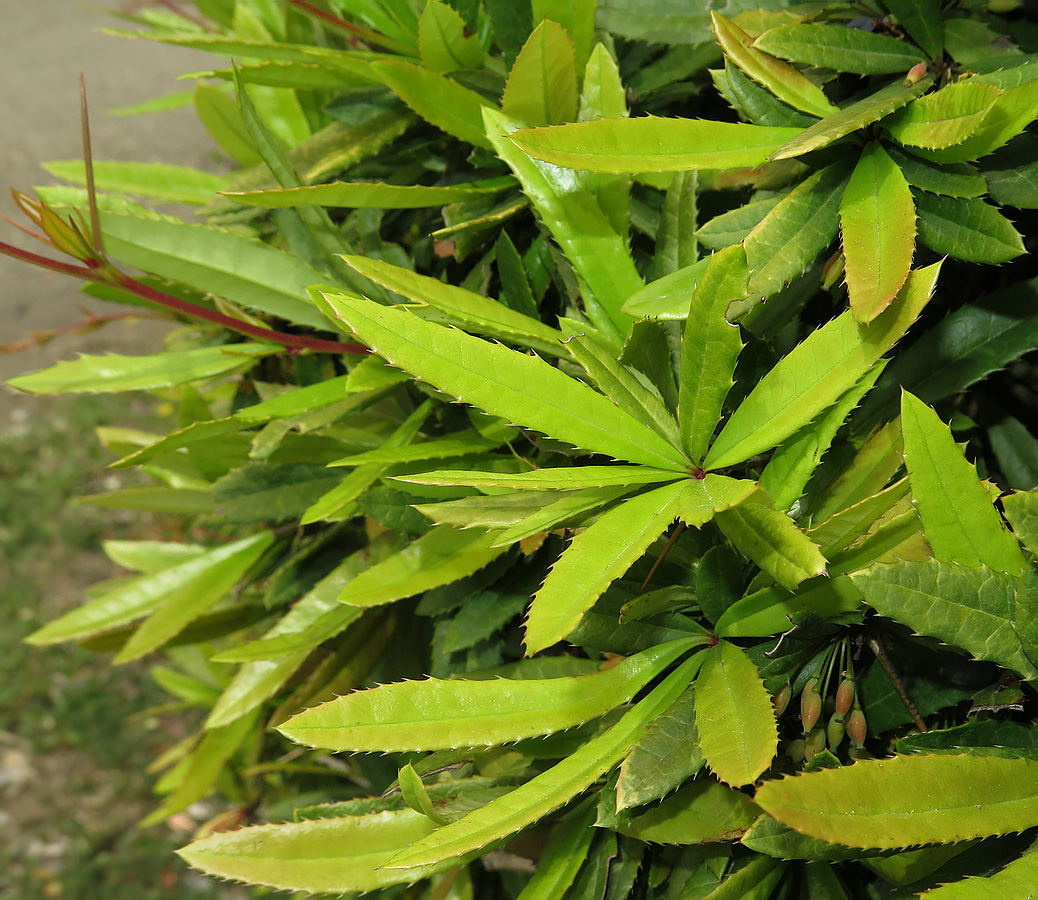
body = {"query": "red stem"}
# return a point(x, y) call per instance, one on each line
point(364, 34)
point(115, 278)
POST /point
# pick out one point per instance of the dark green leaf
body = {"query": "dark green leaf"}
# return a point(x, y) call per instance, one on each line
point(841, 48)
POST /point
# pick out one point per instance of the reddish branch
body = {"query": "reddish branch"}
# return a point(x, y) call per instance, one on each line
point(111, 276)
point(362, 34)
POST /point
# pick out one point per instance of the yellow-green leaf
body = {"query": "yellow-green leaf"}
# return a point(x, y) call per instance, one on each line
point(918, 799)
point(542, 86)
point(787, 83)
point(959, 519)
point(877, 219)
point(943, 118)
point(594, 559)
point(816, 374)
point(651, 144)
point(734, 716)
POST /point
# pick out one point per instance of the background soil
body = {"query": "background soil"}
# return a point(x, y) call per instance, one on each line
point(72, 780)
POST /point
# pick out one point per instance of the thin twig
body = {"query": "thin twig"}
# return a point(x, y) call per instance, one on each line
point(663, 555)
point(89, 322)
point(876, 643)
point(110, 276)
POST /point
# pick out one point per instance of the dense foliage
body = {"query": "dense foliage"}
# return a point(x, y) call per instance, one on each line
point(706, 331)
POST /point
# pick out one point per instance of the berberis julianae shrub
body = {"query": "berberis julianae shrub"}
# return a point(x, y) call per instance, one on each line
point(668, 315)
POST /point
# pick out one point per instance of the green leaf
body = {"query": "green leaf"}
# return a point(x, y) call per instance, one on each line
point(984, 737)
point(442, 448)
point(959, 519)
point(735, 717)
point(563, 857)
point(437, 99)
point(183, 605)
point(340, 855)
point(438, 714)
point(949, 179)
point(719, 581)
point(892, 803)
point(521, 389)
point(568, 507)
point(1009, 115)
point(666, 297)
point(503, 510)
point(569, 209)
point(769, 611)
point(264, 492)
point(292, 74)
point(578, 18)
point(665, 758)
point(772, 540)
point(967, 229)
point(710, 347)
point(755, 103)
point(415, 794)
point(787, 83)
point(877, 221)
point(618, 382)
point(172, 184)
point(788, 239)
point(157, 498)
point(701, 811)
point(369, 195)
point(332, 618)
point(113, 373)
point(278, 654)
point(199, 771)
point(1012, 174)
point(576, 478)
point(845, 527)
point(150, 557)
point(473, 310)
point(971, 608)
point(795, 459)
point(439, 557)
point(1014, 882)
point(593, 560)
point(816, 373)
point(219, 113)
point(442, 40)
point(772, 838)
point(858, 115)
point(129, 600)
point(215, 261)
point(511, 22)
point(840, 48)
point(542, 85)
point(516, 291)
point(224, 45)
point(922, 20)
point(754, 881)
point(1017, 452)
point(1022, 511)
point(943, 118)
point(731, 227)
point(650, 144)
point(700, 498)
point(550, 789)
point(963, 347)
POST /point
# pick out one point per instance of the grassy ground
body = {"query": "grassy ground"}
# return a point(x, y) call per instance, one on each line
point(72, 781)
